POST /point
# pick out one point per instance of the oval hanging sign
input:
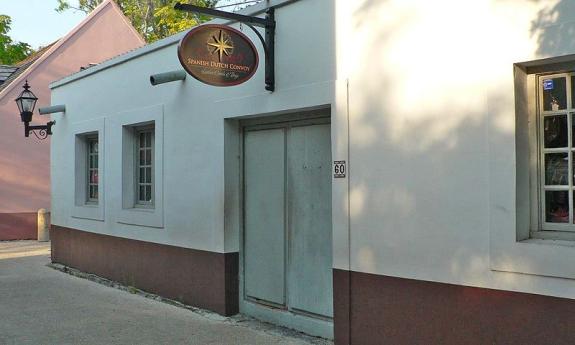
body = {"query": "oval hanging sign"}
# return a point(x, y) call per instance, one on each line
point(218, 55)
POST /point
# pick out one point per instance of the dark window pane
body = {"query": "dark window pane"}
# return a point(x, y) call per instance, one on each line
point(142, 140)
point(142, 157)
point(555, 131)
point(142, 195)
point(142, 175)
point(149, 157)
point(149, 139)
point(557, 206)
point(556, 169)
point(93, 192)
point(148, 193)
point(554, 94)
point(148, 175)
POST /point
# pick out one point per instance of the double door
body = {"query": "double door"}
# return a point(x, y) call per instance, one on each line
point(287, 236)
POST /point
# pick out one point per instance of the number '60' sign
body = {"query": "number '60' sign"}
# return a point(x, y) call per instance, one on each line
point(339, 169)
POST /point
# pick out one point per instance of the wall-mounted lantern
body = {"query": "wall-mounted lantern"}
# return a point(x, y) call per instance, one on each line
point(26, 103)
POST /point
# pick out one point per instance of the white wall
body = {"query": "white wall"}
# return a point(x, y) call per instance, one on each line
point(193, 122)
point(424, 92)
point(431, 124)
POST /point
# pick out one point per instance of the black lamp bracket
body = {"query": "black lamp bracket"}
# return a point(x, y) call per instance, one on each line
point(268, 42)
point(43, 131)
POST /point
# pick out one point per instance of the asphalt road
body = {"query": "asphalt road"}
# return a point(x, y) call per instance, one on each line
point(41, 305)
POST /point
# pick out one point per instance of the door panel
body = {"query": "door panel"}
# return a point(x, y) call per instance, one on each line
point(264, 224)
point(309, 219)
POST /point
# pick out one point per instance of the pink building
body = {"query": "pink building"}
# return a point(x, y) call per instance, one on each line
point(25, 162)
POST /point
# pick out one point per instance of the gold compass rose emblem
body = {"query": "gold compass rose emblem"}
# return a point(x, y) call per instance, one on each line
point(222, 45)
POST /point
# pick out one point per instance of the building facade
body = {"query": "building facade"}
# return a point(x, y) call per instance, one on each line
point(25, 162)
point(451, 221)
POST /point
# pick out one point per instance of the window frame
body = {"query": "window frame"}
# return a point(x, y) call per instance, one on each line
point(122, 127)
point(81, 207)
point(515, 241)
point(89, 139)
point(138, 130)
point(542, 114)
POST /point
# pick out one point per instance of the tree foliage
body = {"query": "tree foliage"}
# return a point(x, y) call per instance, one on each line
point(11, 52)
point(153, 19)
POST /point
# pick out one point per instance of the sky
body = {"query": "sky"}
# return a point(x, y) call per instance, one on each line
point(38, 24)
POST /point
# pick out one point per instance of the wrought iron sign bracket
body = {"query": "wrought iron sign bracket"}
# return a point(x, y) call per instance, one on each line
point(43, 131)
point(268, 42)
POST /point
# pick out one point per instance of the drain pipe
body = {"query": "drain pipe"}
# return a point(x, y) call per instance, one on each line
point(168, 77)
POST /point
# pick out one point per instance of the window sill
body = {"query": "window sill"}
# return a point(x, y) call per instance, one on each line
point(148, 208)
point(565, 236)
point(87, 211)
point(550, 242)
point(543, 257)
point(148, 217)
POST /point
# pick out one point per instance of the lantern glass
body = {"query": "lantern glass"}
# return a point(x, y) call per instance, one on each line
point(26, 101)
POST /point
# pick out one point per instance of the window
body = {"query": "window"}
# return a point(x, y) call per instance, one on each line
point(532, 172)
point(92, 167)
point(139, 134)
point(88, 143)
point(556, 142)
point(144, 166)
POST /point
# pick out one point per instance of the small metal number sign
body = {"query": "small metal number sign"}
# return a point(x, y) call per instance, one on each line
point(339, 169)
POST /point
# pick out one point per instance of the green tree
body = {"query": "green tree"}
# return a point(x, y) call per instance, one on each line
point(154, 19)
point(11, 52)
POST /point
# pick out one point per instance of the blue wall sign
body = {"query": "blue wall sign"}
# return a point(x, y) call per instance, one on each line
point(548, 84)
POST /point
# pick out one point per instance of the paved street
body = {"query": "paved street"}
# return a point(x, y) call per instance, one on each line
point(40, 305)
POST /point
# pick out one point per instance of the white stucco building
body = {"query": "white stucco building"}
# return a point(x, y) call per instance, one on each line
point(453, 223)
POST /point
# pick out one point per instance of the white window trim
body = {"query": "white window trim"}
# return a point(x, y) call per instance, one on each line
point(513, 214)
point(137, 183)
point(125, 209)
point(89, 138)
point(547, 227)
point(82, 207)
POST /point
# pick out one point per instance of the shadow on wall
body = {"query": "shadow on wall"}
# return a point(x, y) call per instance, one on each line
point(421, 124)
point(554, 29)
point(431, 116)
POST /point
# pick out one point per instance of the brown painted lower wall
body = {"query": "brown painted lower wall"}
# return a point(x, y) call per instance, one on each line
point(388, 310)
point(204, 279)
point(18, 226)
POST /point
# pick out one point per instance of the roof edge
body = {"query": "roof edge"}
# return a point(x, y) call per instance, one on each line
point(55, 47)
point(127, 21)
